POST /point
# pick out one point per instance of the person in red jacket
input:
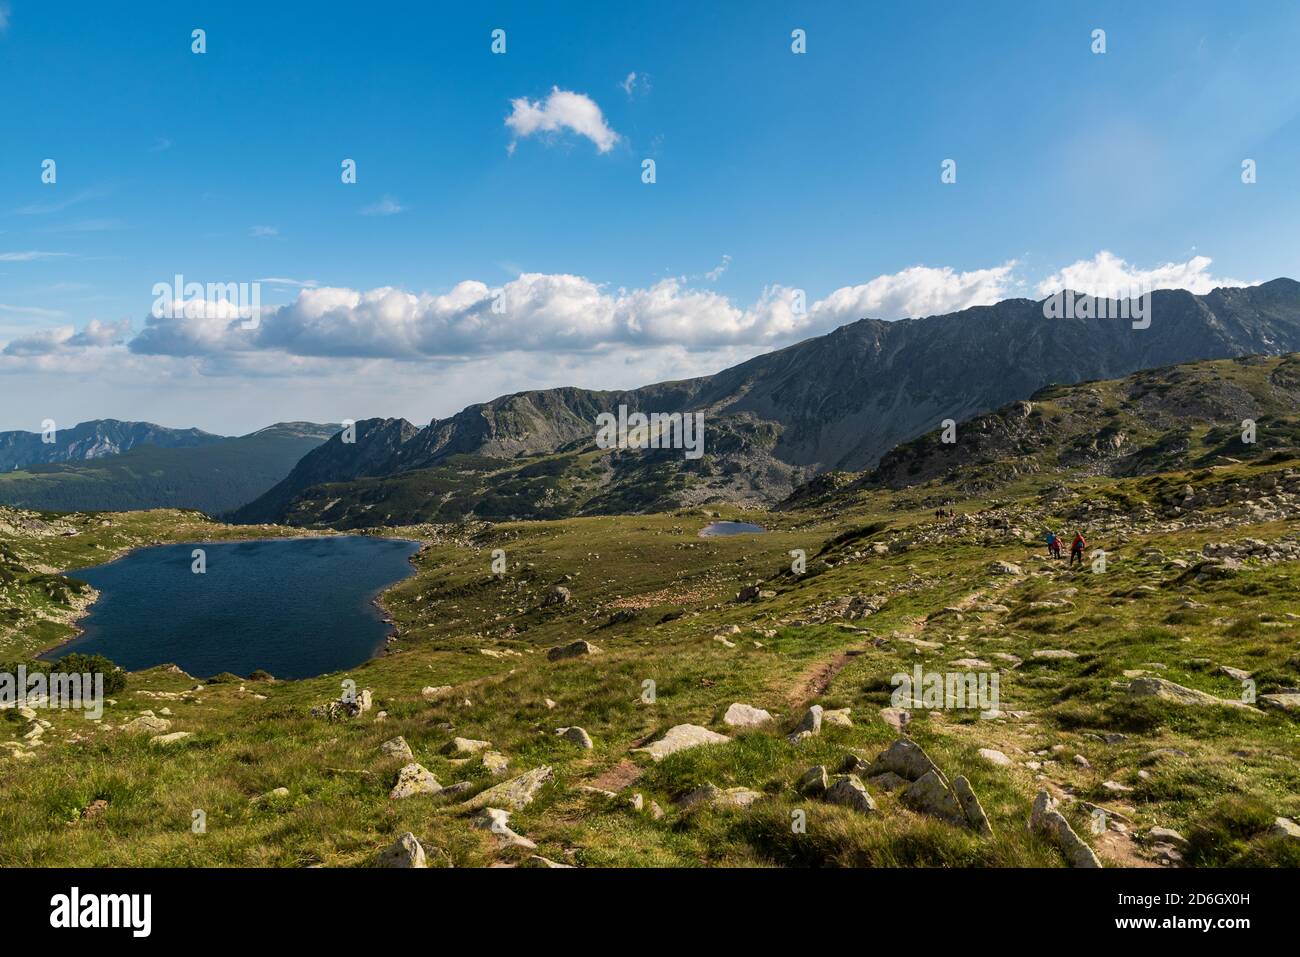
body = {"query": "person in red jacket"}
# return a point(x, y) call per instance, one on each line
point(1076, 548)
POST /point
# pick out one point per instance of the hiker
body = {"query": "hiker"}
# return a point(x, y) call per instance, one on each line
point(1051, 544)
point(1056, 545)
point(1076, 548)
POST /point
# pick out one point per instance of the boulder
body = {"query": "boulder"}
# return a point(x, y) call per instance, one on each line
point(1045, 819)
point(575, 649)
point(147, 724)
point(1166, 690)
point(406, 851)
point(557, 595)
point(743, 716)
point(576, 736)
point(1281, 702)
point(397, 748)
point(515, 794)
point(814, 781)
point(970, 805)
point(906, 759)
point(495, 762)
point(1005, 568)
point(839, 717)
point(896, 718)
point(163, 740)
point(679, 738)
point(994, 756)
point(718, 797)
point(930, 794)
point(463, 746)
point(412, 780)
point(497, 820)
point(849, 791)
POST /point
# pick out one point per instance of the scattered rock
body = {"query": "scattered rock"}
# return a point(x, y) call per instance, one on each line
point(970, 805)
point(994, 756)
point(515, 794)
point(574, 649)
point(398, 748)
point(577, 736)
point(849, 791)
point(406, 851)
point(163, 740)
point(718, 797)
point(414, 779)
point(906, 759)
point(743, 716)
point(497, 820)
point(679, 738)
point(931, 794)
point(814, 781)
point(1048, 821)
point(463, 746)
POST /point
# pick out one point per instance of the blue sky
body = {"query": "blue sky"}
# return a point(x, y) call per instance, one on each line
point(775, 172)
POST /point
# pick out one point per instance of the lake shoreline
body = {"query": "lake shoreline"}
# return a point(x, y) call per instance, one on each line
point(75, 617)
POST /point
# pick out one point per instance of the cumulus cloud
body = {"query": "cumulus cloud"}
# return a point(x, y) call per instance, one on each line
point(558, 315)
point(561, 110)
point(61, 339)
point(385, 207)
point(1108, 275)
point(918, 291)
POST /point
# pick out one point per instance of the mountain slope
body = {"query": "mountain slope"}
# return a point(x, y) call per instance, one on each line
point(212, 477)
point(839, 401)
point(1190, 416)
point(94, 439)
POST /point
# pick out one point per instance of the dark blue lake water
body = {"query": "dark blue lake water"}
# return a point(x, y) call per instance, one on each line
point(294, 607)
point(730, 528)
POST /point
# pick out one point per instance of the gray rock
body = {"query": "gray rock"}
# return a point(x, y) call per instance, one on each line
point(814, 781)
point(495, 762)
point(743, 716)
point(406, 851)
point(994, 756)
point(839, 717)
point(889, 782)
point(930, 794)
point(679, 738)
point(1285, 827)
point(906, 759)
point(463, 746)
point(147, 724)
point(576, 736)
point(515, 794)
point(1281, 702)
point(163, 740)
point(810, 724)
point(849, 791)
point(1166, 690)
point(557, 595)
point(397, 748)
point(718, 797)
point(970, 805)
point(414, 779)
point(497, 820)
point(1045, 819)
point(575, 649)
point(896, 718)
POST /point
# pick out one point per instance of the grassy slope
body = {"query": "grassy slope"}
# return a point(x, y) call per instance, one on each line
point(1239, 771)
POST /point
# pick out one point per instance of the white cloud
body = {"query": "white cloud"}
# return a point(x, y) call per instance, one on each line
point(4, 17)
point(917, 291)
point(29, 255)
point(561, 110)
point(629, 84)
point(714, 274)
point(385, 207)
point(263, 232)
point(1108, 275)
point(31, 311)
point(65, 338)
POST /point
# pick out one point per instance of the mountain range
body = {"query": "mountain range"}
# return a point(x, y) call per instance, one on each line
point(836, 402)
point(120, 466)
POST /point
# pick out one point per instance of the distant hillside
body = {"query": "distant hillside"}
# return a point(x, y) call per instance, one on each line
point(214, 477)
point(1158, 420)
point(94, 439)
point(839, 401)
